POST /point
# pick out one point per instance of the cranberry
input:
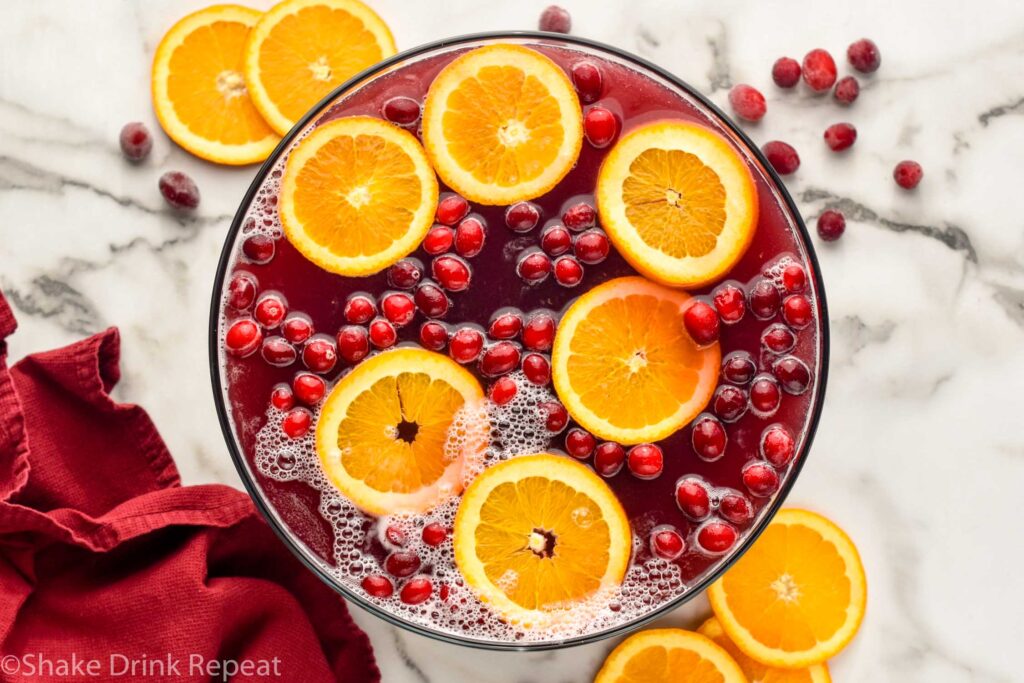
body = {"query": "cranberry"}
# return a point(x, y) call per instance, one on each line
point(452, 273)
point(734, 507)
point(503, 390)
point(556, 416)
point(506, 326)
point(760, 479)
point(179, 190)
point(716, 537)
point(499, 358)
point(309, 388)
point(433, 336)
point(693, 498)
point(444, 591)
point(353, 343)
point(764, 299)
point(840, 136)
point(729, 403)
point(781, 156)
point(394, 535)
point(778, 338)
point(469, 237)
point(522, 217)
point(907, 174)
point(555, 240)
point(701, 323)
point(794, 278)
point(793, 374)
point(730, 303)
point(555, 19)
point(296, 422)
point(579, 443)
point(439, 239)
point(580, 217)
point(786, 72)
point(600, 126)
point(297, 328)
point(431, 300)
point(136, 142)
point(819, 70)
point(382, 334)
point(646, 461)
point(270, 310)
point(667, 543)
point(708, 438)
point(259, 249)
point(747, 102)
point(587, 79)
point(609, 458)
point(398, 307)
point(416, 591)
point(539, 332)
point(404, 111)
point(402, 563)
point(378, 586)
point(796, 311)
point(360, 309)
point(320, 354)
point(278, 352)
point(592, 247)
point(847, 89)
point(281, 397)
point(434, 534)
point(242, 290)
point(863, 56)
point(451, 209)
point(765, 396)
point(777, 446)
point(568, 271)
point(243, 338)
point(831, 225)
point(534, 267)
point(466, 345)
point(537, 369)
point(405, 274)
point(738, 368)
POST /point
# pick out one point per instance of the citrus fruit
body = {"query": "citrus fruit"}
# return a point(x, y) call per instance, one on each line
point(678, 202)
point(301, 50)
point(669, 655)
point(537, 535)
point(502, 124)
point(754, 670)
point(384, 427)
point(797, 597)
point(199, 93)
point(624, 365)
point(357, 195)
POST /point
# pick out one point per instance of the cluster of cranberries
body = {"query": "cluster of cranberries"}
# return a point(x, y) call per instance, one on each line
point(402, 565)
point(563, 246)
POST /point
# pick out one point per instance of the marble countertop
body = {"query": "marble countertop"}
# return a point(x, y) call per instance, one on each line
point(920, 453)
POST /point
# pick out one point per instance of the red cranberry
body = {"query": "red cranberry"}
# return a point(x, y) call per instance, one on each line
point(405, 274)
point(580, 216)
point(609, 458)
point(907, 174)
point(281, 397)
point(831, 225)
point(693, 498)
point(416, 591)
point(360, 309)
point(297, 328)
point(716, 537)
point(863, 56)
point(587, 79)
point(667, 543)
point(555, 19)
point(243, 338)
point(778, 338)
point(309, 388)
point(765, 396)
point(646, 461)
point(439, 239)
point(764, 299)
point(781, 156)
point(794, 278)
point(353, 343)
point(402, 563)
point(499, 358)
point(378, 586)
point(708, 438)
point(819, 70)
point(793, 374)
point(729, 403)
point(431, 300)
point(556, 416)
point(398, 307)
point(796, 311)
point(760, 479)
point(568, 271)
point(242, 290)
point(278, 352)
point(592, 247)
point(469, 237)
point(259, 249)
point(434, 534)
point(777, 446)
point(730, 303)
point(136, 142)
point(394, 535)
point(840, 136)
point(503, 390)
point(555, 240)
point(320, 354)
point(433, 336)
point(382, 334)
point(738, 368)
point(734, 507)
point(452, 273)
point(179, 190)
point(451, 209)
point(600, 126)
point(847, 89)
point(747, 102)
point(579, 443)
point(401, 110)
point(534, 267)
point(506, 326)
point(522, 217)
point(466, 345)
point(701, 323)
point(539, 332)
point(537, 369)
point(270, 310)
point(786, 72)
point(296, 422)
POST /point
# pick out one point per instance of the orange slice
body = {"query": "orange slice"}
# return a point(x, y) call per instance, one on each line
point(501, 124)
point(383, 431)
point(754, 670)
point(538, 536)
point(301, 50)
point(669, 655)
point(797, 597)
point(624, 365)
point(199, 93)
point(678, 202)
point(357, 195)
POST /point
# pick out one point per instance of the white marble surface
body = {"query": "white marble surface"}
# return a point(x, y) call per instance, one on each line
point(920, 454)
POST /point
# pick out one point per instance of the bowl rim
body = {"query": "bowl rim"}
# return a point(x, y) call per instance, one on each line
point(242, 466)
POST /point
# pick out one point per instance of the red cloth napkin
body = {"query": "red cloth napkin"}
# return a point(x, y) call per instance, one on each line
point(107, 562)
